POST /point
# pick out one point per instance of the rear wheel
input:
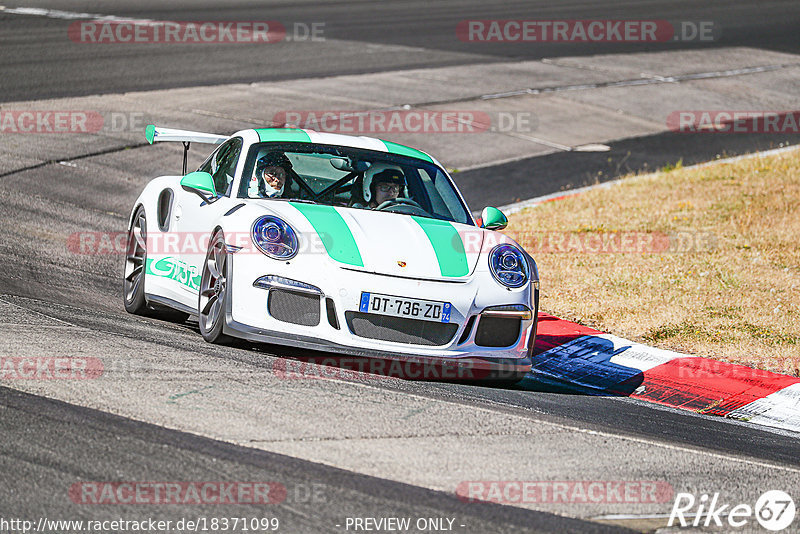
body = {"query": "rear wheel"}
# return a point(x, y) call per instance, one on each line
point(212, 303)
point(133, 275)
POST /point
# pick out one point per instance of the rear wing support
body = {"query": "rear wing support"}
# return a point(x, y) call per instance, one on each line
point(185, 155)
point(155, 134)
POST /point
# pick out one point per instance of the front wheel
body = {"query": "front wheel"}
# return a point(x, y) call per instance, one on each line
point(135, 263)
point(212, 302)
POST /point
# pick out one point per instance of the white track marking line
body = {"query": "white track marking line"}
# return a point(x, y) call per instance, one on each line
point(67, 15)
point(490, 406)
point(50, 317)
point(608, 435)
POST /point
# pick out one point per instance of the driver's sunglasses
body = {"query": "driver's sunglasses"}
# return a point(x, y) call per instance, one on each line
point(276, 172)
point(385, 188)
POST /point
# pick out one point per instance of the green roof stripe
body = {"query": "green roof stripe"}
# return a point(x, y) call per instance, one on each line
point(447, 245)
point(150, 133)
point(403, 150)
point(333, 231)
point(283, 134)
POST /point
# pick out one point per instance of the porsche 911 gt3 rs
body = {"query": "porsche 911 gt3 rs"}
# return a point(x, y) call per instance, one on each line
point(329, 242)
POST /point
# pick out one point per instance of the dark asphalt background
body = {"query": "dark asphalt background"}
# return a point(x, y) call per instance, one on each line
point(561, 171)
point(51, 444)
point(38, 62)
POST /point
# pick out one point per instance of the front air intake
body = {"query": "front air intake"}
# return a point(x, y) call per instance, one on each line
point(400, 329)
point(497, 331)
point(294, 307)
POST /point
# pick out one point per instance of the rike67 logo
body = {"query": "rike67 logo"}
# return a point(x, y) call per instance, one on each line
point(774, 511)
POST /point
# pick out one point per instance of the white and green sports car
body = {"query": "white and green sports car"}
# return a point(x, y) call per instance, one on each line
point(318, 263)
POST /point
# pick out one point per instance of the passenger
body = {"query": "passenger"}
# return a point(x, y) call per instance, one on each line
point(383, 186)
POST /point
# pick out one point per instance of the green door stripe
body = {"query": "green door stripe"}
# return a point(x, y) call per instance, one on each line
point(333, 231)
point(283, 134)
point(403, 150)
point(174, 269)
point(447, 245)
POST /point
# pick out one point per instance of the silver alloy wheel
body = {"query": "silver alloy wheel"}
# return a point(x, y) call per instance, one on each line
point(135, 257)
point(213, 284)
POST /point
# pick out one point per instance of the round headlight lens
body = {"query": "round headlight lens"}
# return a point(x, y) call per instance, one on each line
point(274, 238)
point(509, 266)
point(509, 261)
point(271, 232)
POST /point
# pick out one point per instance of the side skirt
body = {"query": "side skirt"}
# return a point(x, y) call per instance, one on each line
point(169, 303)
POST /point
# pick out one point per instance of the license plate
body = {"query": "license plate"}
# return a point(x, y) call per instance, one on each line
point(426, 310)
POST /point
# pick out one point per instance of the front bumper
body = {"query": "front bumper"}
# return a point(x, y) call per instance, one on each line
point(470, 367)
point(248, 316)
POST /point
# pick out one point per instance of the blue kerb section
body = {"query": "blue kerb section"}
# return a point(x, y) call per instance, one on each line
point(364, 306)
point(584, 365)
point(446, 312)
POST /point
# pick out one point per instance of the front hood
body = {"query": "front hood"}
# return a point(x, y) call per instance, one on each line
point(390, 243)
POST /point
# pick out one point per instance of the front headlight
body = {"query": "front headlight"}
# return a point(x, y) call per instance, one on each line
point(509, 266)
point(274, 238)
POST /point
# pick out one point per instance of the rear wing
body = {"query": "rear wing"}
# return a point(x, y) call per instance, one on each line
point(155, 134)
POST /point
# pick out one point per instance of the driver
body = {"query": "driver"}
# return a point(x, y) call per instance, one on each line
point(384, 186)
point(271, 173)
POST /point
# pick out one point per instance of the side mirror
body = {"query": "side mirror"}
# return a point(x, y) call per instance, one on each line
point(493, 219)
point(199, 183)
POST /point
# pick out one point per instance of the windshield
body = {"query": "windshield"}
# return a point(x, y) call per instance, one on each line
point(351, 178)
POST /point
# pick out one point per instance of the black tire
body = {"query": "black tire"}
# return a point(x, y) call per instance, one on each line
point(135, 262)
point(133, 278)
point(213, 297)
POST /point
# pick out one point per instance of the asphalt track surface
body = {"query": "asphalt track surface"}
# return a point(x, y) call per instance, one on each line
point(37, 63)
point(104, 445)
point(561, 171)
point(48, 444)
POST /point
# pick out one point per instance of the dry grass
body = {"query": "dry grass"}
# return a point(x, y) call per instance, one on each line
point(721, 277)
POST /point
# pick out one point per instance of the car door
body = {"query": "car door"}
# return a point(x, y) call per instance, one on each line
point(195, 218)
